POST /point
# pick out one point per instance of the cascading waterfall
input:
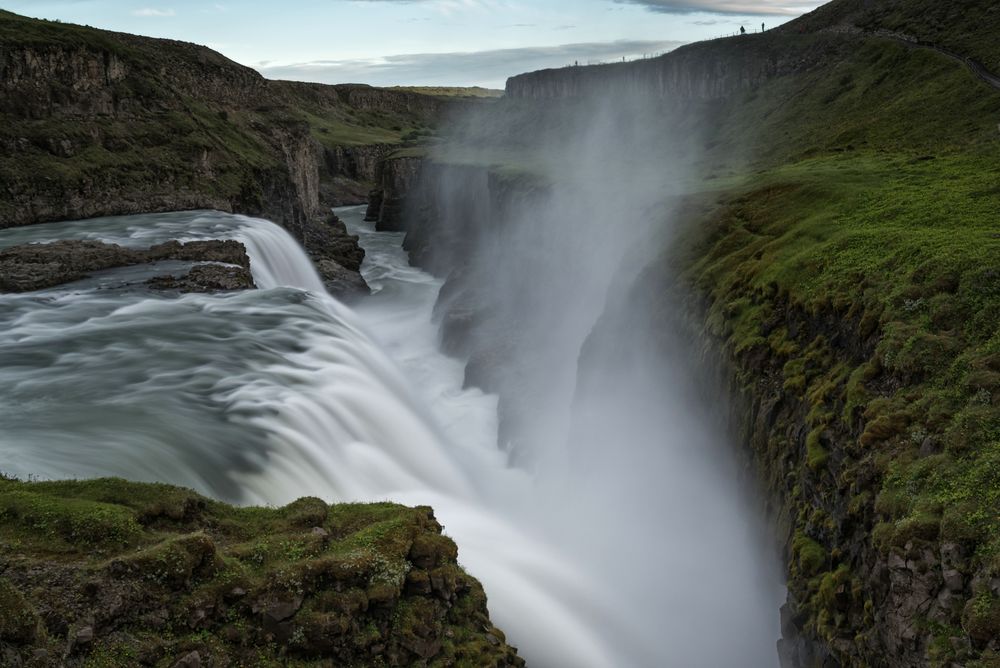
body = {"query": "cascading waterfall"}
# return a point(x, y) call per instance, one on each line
point(265, 396)
point(269, 395)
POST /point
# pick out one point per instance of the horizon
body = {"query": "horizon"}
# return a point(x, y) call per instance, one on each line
point(423, 42)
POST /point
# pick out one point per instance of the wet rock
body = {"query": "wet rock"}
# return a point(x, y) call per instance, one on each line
point(206, 278)
point(38, 266)
point(340, 281)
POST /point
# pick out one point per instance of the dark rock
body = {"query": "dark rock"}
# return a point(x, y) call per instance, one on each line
point(953, 580)
point(191, 660)
point(84, 635)
point(38, 266)
point(206, 278)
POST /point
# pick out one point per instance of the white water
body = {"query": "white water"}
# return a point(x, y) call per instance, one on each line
point(270, 395)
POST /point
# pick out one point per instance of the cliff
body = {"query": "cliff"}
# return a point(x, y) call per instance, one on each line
point(696, 72)
point(113, 573)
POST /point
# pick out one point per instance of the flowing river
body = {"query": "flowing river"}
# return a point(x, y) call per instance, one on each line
point(268, 395)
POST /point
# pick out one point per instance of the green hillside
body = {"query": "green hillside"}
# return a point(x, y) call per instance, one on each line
point(152, 574)
point(854, 278)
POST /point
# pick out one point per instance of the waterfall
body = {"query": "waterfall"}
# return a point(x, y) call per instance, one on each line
point(269, 395)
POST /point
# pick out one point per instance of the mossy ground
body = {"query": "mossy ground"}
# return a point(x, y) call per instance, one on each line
point(859, 254)
point(157, 572)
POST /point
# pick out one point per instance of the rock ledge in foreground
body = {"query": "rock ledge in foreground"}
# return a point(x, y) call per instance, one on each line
point(110, 572)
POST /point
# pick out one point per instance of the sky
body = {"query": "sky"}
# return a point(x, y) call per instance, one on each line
point(422, 42)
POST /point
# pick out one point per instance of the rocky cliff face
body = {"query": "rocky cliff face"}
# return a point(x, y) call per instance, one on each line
point(698, 72)
point(395, 179)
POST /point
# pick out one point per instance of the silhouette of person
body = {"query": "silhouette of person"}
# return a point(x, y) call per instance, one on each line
point(743, 30)
point(762, 27)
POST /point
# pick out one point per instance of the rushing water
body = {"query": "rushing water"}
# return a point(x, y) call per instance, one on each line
point(268, 395)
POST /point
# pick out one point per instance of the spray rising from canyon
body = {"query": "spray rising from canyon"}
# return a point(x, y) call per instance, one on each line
point(634, 474)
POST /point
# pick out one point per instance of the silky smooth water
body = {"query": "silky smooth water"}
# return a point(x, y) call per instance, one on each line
point(265, 396)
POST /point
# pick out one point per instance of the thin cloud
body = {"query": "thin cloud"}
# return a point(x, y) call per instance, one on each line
point(758, 8)
point(478, 68)
point(154, 13)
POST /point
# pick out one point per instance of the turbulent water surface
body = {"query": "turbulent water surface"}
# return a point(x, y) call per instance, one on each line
point(265, 396)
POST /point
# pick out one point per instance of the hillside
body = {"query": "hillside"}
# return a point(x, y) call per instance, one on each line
point(837, 265)
point(157, 575)
point(96, 123)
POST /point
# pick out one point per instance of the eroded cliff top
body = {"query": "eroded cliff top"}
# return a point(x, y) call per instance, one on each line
point(109, 572)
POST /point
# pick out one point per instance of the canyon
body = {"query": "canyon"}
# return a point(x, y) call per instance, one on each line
point(729, 219)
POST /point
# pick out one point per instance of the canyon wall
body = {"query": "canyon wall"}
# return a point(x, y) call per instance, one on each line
point(697, 72)
point(96, 123)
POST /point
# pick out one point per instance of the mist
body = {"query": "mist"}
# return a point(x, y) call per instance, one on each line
point(635, 477)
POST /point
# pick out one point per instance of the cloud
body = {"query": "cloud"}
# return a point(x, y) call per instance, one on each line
point(759, 7)
point(478, 68)
point(151, 12)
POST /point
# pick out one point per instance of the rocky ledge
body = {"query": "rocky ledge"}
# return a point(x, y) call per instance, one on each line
point(38, 266)
point(115, 573)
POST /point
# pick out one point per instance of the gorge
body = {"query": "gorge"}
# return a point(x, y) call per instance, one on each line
point(695, 358)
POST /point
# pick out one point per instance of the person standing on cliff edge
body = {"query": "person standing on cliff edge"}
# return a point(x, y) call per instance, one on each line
point(743, 30)
point(762, 27)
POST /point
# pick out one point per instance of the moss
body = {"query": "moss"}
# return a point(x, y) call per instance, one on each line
point(288, 586)
point(816, 455)
point(60, 522)
point(810, 556)
point(981, 617)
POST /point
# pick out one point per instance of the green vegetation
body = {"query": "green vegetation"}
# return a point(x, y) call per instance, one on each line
point(961, 26)
point(140, 573)
point(472, 92)
point(856, 264)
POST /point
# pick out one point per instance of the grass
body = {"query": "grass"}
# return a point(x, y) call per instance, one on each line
point(865, 224)
point(357, 581)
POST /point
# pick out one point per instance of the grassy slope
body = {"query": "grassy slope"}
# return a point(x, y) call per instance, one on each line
point(871, 192)
point(962, 26)
point(137, 562)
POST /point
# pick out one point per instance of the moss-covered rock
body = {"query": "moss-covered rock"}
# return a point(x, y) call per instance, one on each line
point(112, 573)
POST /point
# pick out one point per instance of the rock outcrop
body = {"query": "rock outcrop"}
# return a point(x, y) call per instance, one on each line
point(108, 572)
point(395, 178)
point(38, 266)
point(695, 73)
